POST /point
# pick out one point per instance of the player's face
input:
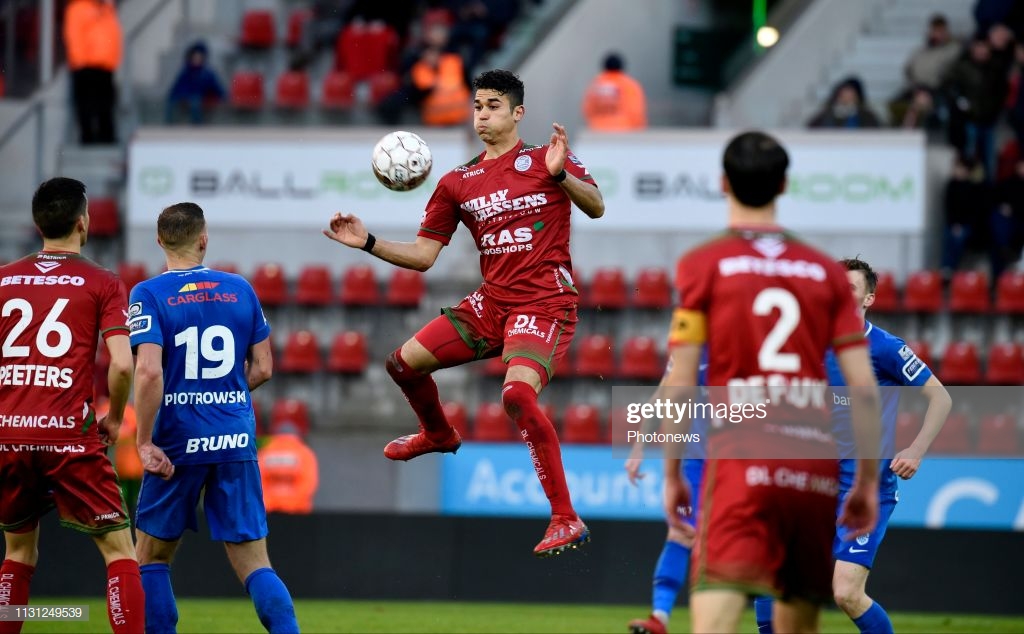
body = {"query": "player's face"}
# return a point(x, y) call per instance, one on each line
point(493, 118)
point(859, 288)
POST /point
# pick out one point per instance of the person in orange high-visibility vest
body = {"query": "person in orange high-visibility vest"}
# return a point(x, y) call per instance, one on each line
point(440, 77)
point(92, 38)
point(614, 101)
point(289, 471)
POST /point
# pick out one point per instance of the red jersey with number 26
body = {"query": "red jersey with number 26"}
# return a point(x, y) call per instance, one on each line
point(53, 306)
point(519, 218)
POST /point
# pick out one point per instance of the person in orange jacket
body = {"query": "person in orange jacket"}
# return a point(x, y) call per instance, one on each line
point(289, 471)
point(614, 101)
point(92, 38)
point(440, 77)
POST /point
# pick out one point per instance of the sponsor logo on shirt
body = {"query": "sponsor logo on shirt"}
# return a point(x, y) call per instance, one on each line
point(140, 324)
point(750, 265)
point(527, 325)
point(913, 368)
point(484, 207)
point(473, 173)
point(507, 241)
point(195, 293)
point(43, 280)
point(217, 443)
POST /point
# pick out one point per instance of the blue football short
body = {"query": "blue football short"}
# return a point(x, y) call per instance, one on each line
point(863, 549)
point(232, 499)
point(693, 471)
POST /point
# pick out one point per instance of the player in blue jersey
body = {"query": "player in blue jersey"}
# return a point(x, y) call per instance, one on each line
point(202, 346)
point(895, 365)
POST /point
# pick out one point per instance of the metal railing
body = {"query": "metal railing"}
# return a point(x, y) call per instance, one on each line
point(35, 111)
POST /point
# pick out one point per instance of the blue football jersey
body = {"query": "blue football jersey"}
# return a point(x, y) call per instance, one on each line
point(205, 321)
point(895, 365)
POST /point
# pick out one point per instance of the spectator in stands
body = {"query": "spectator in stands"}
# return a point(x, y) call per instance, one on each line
point(440, 79)
point(92, 38)
point(471, 30)
point(614, 101)
point(289, 471)
point(988, 13)
point(196, 86)
point(323, 29)
point(846, 108)
point(1007, 226)
point(917, 105)
point(968, 204)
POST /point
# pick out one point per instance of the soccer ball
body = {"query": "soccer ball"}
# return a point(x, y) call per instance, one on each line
point(401, 161)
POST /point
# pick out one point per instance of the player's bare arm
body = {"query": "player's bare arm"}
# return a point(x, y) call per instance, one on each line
point(678, 384)
point(906, 462)
point(350, 231)
point(860, 510)
point(259, 364)
point(584, 195)
point(149, 392)
point(119, 384)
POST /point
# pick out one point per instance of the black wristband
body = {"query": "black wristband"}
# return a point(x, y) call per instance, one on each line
point(370, 241)
point(559, 177)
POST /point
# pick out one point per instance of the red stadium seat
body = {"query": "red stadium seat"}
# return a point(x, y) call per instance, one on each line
point(359, 286)
point(349, 353)
point(582, 424)
point(998, 435)
point(607, 291)
point(104, 218)
point(314, 286)
point(338, 92)
point(969, 293)
point(1010, 293)
point(366, 49)
point(258, 29)
point(292, 90)
point(908, 425)
point(652, 289)
point(257, 414)
point(131, 273)
point(887, 297)
point(1005, 365)
point(382, 85)
point(227, 267)
point(549, 412)
point(298, 21)
point(923, 352)
point(923, 293)
point(595, 357)
point(960, 365)
point(641, 360)
point(405, 289)
point(290, 411)
point(564, 366)
point(301, 353)
point(270, 286)
point(955, 437)
point(247, 90)
point(457, 417)
point(492, 424)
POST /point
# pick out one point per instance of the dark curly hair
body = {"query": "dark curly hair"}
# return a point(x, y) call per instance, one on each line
point(857, 264)
point(504, 82)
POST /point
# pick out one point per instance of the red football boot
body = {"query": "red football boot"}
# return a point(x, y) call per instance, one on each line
point(563, 533)
point(650, 625)
point(408, 447)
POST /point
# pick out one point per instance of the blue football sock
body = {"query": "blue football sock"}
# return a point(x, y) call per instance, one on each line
point(763, 614)
point(875, 620)
point(161, 608)
point(669, 574)
point(273, 603)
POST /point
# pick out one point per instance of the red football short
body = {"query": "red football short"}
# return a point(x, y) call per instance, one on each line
point(82, 485)
point(766, 527)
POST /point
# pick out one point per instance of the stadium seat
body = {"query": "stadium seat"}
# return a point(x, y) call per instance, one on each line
point(298, 20)
point(923, 351)
point(998, 435)
point(270, 286)
point(1005, 365)
point(314, 286)
point(227, 267)
point(606, 291)
point(301, 353)
point(652, 289)
point(955, 437)
point(349, 353)
point(405, 289)
point(359, 286)
point(969, 293)
point(131, 273)
point(292, 91)
point(258, 29)
point(457, 417)
point(247, 90)
point(908, 425)
point(564, 367)
point(492, 424)
point(923, 293)
point(257, 414)
point(104, 218)
point(582, 424)
point(641, 360)
point(382, 85)
point(364, 50)
point(290, 411)
point(616, 421)
point(887, 297)
point(595, 357)
point(1010, 293)
point(960, 365)
point(338, 92)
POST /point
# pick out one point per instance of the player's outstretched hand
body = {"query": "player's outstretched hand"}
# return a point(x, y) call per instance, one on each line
point(155, 461)
point(906, 463)
point(636, 458)
point(677, 502)
point(860, 510)
point(558, 150)
point(108, 430)
point(348, 230)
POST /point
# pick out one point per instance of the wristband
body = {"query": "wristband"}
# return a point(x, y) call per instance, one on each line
point(559, 177)
point(370, 241)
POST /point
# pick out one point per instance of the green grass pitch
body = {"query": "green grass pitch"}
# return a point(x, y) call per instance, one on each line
point(237, 615)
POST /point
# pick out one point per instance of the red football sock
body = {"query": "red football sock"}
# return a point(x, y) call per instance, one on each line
point(15, 579)
point(421, 392)
point(126, 601)
point(521, 404)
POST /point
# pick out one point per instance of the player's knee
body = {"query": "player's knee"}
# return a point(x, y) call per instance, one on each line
point(517, 396)
point(847, 595)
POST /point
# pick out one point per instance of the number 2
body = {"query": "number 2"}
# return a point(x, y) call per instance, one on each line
point(194, 345)
point(768, 357)
point(49, 326)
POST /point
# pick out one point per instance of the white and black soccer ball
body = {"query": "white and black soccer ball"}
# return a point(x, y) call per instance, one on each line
point(401, 161)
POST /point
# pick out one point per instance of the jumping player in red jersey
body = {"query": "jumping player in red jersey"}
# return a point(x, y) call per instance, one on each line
point(515, 200)
point(768, 307)
point(54, 306)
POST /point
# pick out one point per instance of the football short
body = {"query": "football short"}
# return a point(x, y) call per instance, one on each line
point(863, 549)
point(232, 499)
point(766, 528)
point(693, 471)
point(536, 335)
point(82, 486)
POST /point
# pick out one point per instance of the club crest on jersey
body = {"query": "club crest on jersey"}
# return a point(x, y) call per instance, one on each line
point(863, 539)
point(46, 267)
point(523, 162)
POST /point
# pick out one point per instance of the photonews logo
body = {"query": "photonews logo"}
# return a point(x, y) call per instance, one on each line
point(297, 185)
point(853, 188)
point(156, 181)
